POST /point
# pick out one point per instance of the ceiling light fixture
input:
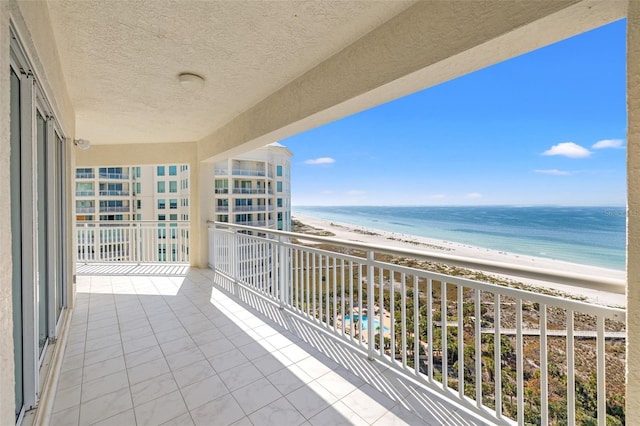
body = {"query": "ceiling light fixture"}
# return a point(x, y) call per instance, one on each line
point(83, 144)
point(190, 81)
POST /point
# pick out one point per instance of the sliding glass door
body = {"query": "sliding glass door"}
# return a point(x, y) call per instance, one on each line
point(38, 227)
point(16, 238)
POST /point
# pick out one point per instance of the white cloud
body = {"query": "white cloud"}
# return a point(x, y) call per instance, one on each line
point(321, 160)
point(355, 192)
point(568, 149)
point(608, 143)
point(554, 172)
point(473, 195)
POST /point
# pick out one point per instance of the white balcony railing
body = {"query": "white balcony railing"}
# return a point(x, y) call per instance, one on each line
point(105, 175)
point(114, 209)
point(114, 192)
point(250, 191)
point(133, 241)
point(508, 354)
point(85, 209)
point(256, 208)
point(85, 175)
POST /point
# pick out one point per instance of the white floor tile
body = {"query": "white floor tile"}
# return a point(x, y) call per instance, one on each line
point(142, 356)
point(103, 368)
point(160, 410)
point(203, 391)
point(148, 370)
point(193, 372)
point(279, 412)
point(67, 398)
point(122, 419)
point(337, 414)
point(105, 406)
point(256, 395)
point(240, 376)
point(311, 399)
point(219, 412)
point(104, 385)
point(153, 388)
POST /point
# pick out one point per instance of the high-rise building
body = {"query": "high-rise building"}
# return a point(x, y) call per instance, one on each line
point(254, 189)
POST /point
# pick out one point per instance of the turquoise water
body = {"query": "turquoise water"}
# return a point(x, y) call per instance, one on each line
point(587, 235)
point(364, 324)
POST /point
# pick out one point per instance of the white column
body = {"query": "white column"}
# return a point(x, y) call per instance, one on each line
point(202, 189)
point(633, 211)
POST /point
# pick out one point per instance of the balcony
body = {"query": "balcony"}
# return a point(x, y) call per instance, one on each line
point(248, 172)
point(256, 208)
point(115, 209)
point(250, 191)
point(81, 175)
point(133, 241)
point(556, 346)
point(150, 348)
point(222, 209)
point(118, 176)
point(85, 193)
point(85, 209)
point(114, 193)
point(275, 333)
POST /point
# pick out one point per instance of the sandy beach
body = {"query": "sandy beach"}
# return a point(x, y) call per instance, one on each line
point(429, 245)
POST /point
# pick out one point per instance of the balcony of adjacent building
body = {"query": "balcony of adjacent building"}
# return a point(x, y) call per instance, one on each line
point(113, 173)
point(278, 331)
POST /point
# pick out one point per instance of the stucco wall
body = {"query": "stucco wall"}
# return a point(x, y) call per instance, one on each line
point(37, 35)
point(633, 212)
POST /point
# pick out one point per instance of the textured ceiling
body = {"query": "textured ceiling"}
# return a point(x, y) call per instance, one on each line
point(121, 58)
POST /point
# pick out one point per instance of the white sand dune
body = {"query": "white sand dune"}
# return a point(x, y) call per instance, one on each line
point(359, 234)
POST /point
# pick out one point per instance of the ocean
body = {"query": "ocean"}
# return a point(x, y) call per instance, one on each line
point(587, 235)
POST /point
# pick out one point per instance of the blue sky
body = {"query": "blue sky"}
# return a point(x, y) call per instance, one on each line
point(547, 127)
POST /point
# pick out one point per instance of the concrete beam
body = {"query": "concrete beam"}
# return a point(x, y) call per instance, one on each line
point(137, 154)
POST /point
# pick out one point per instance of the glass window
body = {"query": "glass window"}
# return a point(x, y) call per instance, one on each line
point(162, 217)
point(16, 246)
point(160, 171)
point(173, 186)
point(173, 217)
point(279, 186)
point(137, 172)
point(173, 170)
point(138, 204)
point(279, 202)
point(161, 187)
point(161, 204)
point(173, 204)
point(137, 187)
point(43, 233)
point(278, 170)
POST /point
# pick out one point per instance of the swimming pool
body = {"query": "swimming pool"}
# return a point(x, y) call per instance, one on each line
point(364, 324)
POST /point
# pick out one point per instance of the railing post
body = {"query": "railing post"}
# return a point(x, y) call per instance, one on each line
point(234, 259)
point(370, 310)
point(282, 273)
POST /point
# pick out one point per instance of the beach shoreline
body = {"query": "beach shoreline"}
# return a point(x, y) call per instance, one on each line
point(355, 233)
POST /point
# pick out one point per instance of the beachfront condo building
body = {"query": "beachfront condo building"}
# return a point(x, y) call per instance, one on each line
point(195, 83)
point(136, 197)
point(254, 189)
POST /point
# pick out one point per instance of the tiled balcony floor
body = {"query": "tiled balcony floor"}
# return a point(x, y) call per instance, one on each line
point(178, 350)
